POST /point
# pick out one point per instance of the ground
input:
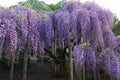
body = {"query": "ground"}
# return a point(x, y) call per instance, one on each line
point(39, 71)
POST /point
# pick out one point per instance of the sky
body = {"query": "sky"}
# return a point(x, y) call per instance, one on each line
point(113, 5)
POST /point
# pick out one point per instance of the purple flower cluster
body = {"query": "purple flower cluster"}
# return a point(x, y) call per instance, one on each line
point(78, 54)
point(8, 28)
point(45, 28)
point(90, 59)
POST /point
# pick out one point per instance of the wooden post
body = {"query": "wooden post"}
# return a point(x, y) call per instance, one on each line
point(1, 43)
point(82, 41)
point(83, 69)
point(62, 43)
point(12, 66)
point(70, 55)
point(55, 40)
point(25, 61)
point(25, 65)
point(71, 62)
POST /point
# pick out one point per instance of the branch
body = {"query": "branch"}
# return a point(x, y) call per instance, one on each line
point(52, 55)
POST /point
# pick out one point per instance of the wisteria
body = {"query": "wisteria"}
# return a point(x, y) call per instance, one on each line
point(94, 24)
point(45, 28)
point(22, 28)
point(8, 26)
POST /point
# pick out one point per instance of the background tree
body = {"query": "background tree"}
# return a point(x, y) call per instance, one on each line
point(116, 26)
point(39, 5)
point(55, 6)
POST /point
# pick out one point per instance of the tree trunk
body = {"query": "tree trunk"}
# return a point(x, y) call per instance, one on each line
point(12, 66)
point(25, 65)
